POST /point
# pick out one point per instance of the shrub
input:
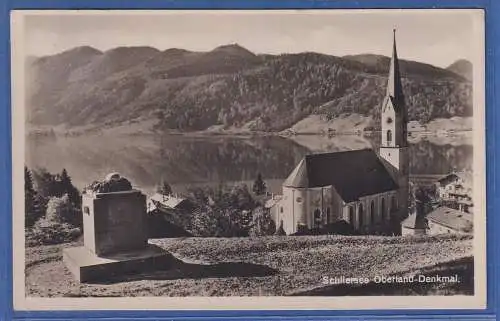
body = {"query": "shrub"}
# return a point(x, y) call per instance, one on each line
point(47, 232)
point(339, 228)
point(205, 223)
point(60, 224)
point(223, 212)
point(61, 210)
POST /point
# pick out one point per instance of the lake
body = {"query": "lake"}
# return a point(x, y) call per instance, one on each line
point(184, 161)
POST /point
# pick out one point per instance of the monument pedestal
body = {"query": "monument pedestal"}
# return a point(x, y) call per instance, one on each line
point(115, 227)
point(87, 266)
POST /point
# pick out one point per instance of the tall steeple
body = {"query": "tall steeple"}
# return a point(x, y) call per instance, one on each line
point(394, 86)
point(394, 142)
point(394, 114)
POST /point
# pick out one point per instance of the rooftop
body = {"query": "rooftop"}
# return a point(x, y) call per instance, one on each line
point(451, 218)
point(169, 201)
point(464, 176)
point(354, 174)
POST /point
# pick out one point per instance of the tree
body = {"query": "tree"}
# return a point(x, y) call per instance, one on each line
point(164, 189)
point(67, 187)
point(262, 223)
point(33, 205)
point(198, 195)
point(241, 198)
point(204, 223)
point(61, 210)
point(259, 186)
point(45, 183)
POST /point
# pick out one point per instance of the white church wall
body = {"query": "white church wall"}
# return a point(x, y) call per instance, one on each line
point(298, 206)
point(293, 209)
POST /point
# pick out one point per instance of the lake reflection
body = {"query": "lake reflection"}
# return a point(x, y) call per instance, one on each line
point(184, 161)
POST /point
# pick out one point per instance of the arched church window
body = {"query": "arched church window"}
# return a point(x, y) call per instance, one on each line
point(389, 120)
point(372, 212)
point(361, 214)
point(351, 215)
point(389, 136)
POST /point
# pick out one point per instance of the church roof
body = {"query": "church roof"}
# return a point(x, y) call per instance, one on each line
point(353, 174)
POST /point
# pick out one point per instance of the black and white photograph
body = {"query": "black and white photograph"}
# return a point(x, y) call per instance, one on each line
point(278, 159)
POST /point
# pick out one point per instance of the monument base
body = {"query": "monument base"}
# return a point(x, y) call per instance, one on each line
point(86, 266)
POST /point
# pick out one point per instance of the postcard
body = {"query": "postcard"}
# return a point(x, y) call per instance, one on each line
point(251, 159)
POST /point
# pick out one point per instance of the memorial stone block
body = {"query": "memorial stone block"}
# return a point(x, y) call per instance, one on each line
point(115, 233)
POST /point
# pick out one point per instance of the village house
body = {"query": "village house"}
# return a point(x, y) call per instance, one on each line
point(443, 220)
point(366, 189)
point(169, 204)
point(169, 215)
point(455, 191)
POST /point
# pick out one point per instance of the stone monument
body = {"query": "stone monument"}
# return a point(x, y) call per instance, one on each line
point(115, 233)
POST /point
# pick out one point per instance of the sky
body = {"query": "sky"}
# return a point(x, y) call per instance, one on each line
point(437, 37)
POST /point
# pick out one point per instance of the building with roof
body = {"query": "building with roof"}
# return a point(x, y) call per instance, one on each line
point(366, 189)
point(455, 191)
point(445, 220)
point(353, 186)
point(174, 208)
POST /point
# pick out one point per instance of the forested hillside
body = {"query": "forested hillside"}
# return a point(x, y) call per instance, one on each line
point(228, 86)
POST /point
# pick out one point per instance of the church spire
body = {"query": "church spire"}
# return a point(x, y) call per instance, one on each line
point(394, 86)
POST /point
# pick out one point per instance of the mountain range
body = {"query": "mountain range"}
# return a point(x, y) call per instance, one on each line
point(229, 87)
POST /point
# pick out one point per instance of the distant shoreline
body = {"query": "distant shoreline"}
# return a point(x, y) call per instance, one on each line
point(438, 127)
point(248, 134)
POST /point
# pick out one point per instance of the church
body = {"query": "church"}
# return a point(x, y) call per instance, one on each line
point(369, 190)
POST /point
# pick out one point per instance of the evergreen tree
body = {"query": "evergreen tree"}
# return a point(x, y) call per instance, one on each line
point(45, 183)
point(67, 187)
point(33, 208)
point(164, 189)
point(259, 186)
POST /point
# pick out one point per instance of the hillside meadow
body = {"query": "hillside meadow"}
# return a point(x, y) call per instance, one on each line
point(269, 266)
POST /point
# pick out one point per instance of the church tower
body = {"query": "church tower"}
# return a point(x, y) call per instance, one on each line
point(394, 143)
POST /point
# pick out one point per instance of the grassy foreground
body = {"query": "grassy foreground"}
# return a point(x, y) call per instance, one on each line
point(271, 266)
